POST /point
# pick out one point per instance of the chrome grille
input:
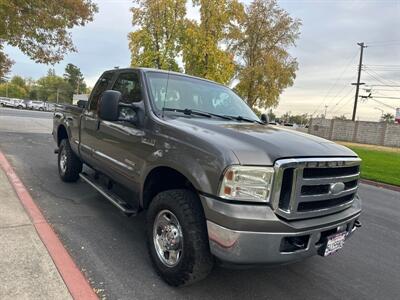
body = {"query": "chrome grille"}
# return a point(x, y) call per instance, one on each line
point(312, 187)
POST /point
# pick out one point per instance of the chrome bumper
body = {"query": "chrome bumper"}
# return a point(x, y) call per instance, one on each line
point(270, 246)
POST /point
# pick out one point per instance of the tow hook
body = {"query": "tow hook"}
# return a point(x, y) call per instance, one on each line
point(56, 151)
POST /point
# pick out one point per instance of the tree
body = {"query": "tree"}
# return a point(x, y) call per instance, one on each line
point(53, 88)
point(265, 67)
point(5, 64)
point(155, 43)
point(388, 118)
point(39, 28)
point(74, 77)
point(12, 90)
point(342, 117)
point(203, 54)
point(19, 81)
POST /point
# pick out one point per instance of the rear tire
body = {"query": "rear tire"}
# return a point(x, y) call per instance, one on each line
point(69, 165)
point(195, 260)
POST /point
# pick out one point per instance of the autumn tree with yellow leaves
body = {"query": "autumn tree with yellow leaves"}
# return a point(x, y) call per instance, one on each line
point(206, 44)
point(265, 68)
point(160, 25)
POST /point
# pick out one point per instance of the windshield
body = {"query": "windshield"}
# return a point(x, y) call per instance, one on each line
point(181, 92)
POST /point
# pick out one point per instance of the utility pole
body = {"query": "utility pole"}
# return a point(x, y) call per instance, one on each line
point(358, 83)
point(326, 107)
point(58, 92)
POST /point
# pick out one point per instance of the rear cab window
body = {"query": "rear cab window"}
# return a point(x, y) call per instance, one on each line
point(101, 86)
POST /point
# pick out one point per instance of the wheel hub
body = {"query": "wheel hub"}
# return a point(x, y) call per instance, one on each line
point(168, 238)
point(63, 160)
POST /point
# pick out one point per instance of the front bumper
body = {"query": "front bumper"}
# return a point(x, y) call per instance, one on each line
point(255, 235)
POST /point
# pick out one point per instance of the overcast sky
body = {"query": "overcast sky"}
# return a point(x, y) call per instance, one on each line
point(327, 53)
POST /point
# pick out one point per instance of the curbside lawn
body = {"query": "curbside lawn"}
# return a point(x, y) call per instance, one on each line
point(381, 164)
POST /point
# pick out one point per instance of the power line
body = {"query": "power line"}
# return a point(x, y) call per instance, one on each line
point(347, 65)
point(348, 100)
point(388, 80)
point(340, 100)
point(376, 78)
point(382, 103)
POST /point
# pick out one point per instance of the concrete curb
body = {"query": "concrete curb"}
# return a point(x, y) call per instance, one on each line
point(381, 185)
point(75, 281)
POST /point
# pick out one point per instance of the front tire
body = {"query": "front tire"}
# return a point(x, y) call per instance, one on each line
point(69, 165)
point(177, 238)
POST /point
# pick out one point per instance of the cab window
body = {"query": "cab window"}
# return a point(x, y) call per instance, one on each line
point(129, 86)
point(98, 90)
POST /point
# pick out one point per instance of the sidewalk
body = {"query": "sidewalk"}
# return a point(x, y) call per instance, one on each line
point(26, 268)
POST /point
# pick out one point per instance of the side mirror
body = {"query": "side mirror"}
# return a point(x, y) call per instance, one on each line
point(109, 105)
point(264, 118)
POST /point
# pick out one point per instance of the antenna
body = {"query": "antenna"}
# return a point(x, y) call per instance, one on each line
point(166, 93)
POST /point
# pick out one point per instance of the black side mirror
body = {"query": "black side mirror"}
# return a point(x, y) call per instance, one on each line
point(264, 118)
point(109, 105)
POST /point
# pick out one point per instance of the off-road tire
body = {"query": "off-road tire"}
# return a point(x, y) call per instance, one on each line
point(73, 165)
point(196, 261)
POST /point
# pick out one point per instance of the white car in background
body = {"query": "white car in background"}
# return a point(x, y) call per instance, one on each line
point(18, 103)
point(5, 101)
point(37, 105)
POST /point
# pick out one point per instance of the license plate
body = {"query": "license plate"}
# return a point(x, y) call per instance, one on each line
point(334, 243)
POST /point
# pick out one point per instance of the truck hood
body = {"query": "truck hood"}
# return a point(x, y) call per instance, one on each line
point(256, 144)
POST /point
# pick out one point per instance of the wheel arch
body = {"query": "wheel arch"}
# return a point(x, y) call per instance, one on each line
point(62, 133)
point(163, 178)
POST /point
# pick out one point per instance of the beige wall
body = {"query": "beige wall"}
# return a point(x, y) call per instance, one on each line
point(376, 133)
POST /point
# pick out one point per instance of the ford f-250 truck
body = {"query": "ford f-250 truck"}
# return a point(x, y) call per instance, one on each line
point(217, 182)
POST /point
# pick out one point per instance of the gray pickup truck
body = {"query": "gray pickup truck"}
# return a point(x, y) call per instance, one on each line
point(217, 182)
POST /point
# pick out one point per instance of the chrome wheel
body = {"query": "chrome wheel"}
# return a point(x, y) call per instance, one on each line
point(63, 160)
point(168, 238)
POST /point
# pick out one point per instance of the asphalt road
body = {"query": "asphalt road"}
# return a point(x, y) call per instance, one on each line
point(111, 250)
point(25, 113)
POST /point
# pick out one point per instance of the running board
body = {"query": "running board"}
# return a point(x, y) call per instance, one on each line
point(114, 199)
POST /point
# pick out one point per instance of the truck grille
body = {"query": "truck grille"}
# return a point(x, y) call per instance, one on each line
point(312, 187)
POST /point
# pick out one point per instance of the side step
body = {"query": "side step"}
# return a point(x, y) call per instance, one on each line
point(114, 199)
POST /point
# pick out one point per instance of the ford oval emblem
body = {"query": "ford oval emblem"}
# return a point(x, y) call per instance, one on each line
point(336, 188)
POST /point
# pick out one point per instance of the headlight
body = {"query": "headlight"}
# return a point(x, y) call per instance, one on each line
point(244, 183)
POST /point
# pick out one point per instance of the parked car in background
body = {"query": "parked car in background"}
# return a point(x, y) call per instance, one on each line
point(49, 106)
point(37, 105)
point(4, 101)
point(13, 102)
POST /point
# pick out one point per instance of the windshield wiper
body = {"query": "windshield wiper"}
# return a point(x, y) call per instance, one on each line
point(189, 111)
point(241, 118)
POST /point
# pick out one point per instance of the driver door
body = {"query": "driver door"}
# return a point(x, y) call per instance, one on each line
point(118, 141)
